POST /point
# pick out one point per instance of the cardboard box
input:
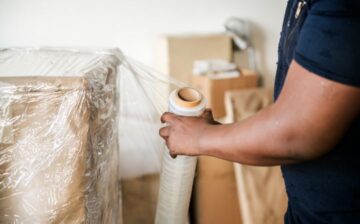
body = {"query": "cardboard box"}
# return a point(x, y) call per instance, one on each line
point(139, 199)
point(215, 192)
point(56, 139)
point(36, 166)
point(241, 104)
point(256, 201)
point(214, 89)
point(178, 53)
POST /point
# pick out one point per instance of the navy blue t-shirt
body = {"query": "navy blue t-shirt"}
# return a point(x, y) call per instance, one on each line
point(324, 38)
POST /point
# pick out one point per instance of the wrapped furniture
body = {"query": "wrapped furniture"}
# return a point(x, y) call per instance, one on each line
point(73, 123)
point(58, 137)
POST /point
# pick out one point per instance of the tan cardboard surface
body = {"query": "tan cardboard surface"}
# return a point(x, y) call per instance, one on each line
point(215, 192)
point(61, 166)
point(261, 190)
point(46, 164)
point(214, 89)
point(182, 51)
point(139, 199)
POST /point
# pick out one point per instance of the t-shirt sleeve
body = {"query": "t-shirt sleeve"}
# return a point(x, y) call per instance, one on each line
point(329, 42)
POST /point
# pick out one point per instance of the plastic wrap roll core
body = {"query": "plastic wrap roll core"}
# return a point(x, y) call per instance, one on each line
point(177, 175)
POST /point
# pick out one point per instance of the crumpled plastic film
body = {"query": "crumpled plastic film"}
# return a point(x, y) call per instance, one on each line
point(72, 122)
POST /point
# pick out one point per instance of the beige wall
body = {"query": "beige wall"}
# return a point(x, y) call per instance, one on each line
point(135, 25)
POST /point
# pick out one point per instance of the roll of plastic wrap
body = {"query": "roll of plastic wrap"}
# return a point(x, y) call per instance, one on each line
point(177, 175)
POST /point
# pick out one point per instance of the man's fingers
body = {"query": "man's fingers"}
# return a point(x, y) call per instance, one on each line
point(173, 155)
point(167, 117)
point(207, 113)
point(164, 132)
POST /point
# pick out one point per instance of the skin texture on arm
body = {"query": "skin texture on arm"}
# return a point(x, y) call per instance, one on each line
point(309, 118)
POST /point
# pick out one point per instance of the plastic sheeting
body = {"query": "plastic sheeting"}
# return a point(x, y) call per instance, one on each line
point(60, 126)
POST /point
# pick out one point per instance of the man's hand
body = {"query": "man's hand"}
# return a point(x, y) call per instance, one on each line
point(183, 135)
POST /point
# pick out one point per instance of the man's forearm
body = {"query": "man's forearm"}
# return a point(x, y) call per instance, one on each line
point(260, 140)
point(306, 122)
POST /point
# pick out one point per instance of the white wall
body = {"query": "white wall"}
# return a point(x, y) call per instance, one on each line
point(134, 25)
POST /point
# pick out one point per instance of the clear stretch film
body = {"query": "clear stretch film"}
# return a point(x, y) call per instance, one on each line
point(177, 175)
point(72, 123)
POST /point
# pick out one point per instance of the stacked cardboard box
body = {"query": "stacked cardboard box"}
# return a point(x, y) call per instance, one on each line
point(177, 54)
point(214, 89)
point(259, 188)
point(215, 198)
point(139, 199)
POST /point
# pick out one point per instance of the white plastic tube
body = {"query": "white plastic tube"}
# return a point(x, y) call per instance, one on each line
point(177, 175)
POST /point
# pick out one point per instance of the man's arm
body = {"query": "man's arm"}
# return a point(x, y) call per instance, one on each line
point(307, 121)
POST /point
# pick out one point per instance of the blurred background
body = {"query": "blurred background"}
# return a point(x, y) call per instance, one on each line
point(136, 26)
